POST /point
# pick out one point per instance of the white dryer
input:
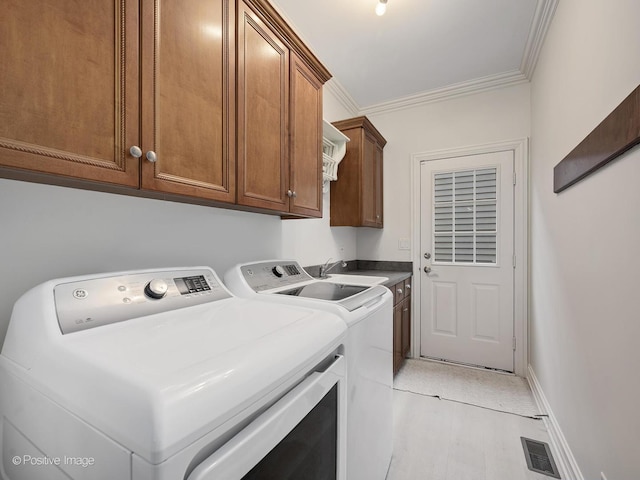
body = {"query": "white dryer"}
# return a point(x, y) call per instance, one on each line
point(165, 375)
point(368, 312)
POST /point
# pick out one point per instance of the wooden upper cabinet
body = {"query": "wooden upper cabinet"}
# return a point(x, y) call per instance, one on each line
point(369, 215)
point(306, 140)
point(357, 195)
point(79, 95)
point(221, 98)
point(263, 114)
point(379, 190)
point(69, 88)
point(279, 115)
point(188, 103)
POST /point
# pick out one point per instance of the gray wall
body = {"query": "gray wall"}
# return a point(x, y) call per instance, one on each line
point(48, 232)
point(585, 304)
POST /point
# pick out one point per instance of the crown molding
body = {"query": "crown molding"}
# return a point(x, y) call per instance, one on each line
point(343, 96)
point(537, 33)
point(545, 9)
point(273, 17)
point(543, 16)
point(449, 92)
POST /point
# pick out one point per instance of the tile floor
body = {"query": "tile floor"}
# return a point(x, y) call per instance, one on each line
point(438, 439)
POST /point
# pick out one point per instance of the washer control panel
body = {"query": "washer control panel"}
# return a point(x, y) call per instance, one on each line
point(273, 274)
point(98, 301)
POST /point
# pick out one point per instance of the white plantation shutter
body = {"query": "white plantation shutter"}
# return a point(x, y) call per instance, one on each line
point(465, 216)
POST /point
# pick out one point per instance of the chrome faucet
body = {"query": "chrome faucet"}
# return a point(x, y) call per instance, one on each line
point(326, 267)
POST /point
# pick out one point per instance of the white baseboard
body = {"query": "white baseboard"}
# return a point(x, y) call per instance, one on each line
point(565, 460)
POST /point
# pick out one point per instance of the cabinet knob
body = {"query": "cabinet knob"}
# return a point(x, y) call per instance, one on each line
point(409, 286)
point(289, 193)
point(399, 291)
point(151, 156)
point(294, 195)
point(135, 151)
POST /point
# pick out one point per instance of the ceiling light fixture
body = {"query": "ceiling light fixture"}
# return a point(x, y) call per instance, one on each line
point(381, 7)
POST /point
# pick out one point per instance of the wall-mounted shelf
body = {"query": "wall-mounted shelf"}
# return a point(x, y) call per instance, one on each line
point(616, 134)
point(334, 146)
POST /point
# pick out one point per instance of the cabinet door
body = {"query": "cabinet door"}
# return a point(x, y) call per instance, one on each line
point(369, 182)
point(406, 328)
point(346, 193)
point(407, 287)
point(69, 88)
point(188, 97)
point(263, 112)
point(397, 338)
point(378, 187)
point(398, 292)
point(306, 140)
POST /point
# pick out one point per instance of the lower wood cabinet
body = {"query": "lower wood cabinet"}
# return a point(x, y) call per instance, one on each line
point(401, 322)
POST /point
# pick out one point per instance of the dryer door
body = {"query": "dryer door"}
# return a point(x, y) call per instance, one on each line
point(303, 435)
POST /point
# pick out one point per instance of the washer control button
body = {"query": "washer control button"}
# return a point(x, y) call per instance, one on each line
point(277, 271)
point(156, 288)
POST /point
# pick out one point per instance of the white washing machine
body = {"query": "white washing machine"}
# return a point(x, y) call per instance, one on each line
point(165, 375)
point(368, 312)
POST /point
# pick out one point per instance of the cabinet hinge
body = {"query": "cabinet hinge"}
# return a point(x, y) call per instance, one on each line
point(514, 344)
point(514, 178)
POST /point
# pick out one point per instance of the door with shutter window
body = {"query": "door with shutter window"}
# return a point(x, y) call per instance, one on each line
point(467, 248)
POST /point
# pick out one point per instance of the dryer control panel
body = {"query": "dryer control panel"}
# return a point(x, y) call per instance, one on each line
point(103, 300)
point(273, 274)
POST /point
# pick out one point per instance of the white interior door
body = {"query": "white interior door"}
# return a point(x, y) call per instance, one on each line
point(467, 259)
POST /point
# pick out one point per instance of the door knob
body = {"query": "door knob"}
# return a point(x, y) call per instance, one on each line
point(135, 151)
point(427, 270)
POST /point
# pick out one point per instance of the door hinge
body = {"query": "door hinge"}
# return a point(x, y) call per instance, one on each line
point(514, 261)
point(514, 344)
point(514, 178)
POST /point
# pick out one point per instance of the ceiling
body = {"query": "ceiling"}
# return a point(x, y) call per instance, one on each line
point(420, 49)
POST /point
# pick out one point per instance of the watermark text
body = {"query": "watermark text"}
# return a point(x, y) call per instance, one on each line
point(44, 461)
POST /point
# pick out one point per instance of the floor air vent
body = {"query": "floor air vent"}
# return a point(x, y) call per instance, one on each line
point(539, 458)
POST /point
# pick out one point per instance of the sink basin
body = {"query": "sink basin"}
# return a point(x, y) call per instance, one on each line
point(356, 279)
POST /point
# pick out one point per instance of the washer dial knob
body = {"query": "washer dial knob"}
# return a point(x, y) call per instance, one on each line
point(156, 288)
point(278, 271)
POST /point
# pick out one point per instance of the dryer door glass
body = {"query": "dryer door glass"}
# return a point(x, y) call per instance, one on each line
point(309, 451)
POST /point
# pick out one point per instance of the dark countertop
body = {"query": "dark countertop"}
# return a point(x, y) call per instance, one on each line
point(394, 277)
point(394, 271)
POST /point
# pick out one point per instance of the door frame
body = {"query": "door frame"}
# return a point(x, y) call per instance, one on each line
point(520, 149)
